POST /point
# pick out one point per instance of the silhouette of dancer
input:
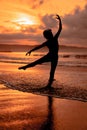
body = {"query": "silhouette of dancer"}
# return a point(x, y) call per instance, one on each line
point(52, 56)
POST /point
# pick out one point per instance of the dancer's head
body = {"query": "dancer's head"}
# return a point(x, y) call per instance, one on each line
point(48, 34)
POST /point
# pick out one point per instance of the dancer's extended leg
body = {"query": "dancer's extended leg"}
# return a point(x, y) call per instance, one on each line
point(45, 58)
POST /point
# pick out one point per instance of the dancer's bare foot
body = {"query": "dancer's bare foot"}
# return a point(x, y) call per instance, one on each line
point(23, 67)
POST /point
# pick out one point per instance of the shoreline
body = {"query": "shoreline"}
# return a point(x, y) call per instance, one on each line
point(48, 94)
point(55, 92)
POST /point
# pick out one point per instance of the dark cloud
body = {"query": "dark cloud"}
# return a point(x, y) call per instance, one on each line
point(48, 21)
point(75, 27)
point(20, 36)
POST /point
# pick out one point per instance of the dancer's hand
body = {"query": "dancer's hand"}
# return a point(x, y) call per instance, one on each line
point(28, 53)
point(57, 16)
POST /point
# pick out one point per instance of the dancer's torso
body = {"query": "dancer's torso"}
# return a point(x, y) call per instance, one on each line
point(53, 46)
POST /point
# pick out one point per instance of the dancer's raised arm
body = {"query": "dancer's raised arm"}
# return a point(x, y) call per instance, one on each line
point(60, 26)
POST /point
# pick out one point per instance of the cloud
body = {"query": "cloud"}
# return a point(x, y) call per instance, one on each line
point(75, 27)
point(20, 36)
point(35, 3)
point(48, 21)
point(29, 30)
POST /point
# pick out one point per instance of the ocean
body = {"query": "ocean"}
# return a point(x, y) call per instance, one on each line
point(66, 58)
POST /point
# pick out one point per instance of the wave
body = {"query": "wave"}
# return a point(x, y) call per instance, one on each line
point(77, 56)
point(66, 93)
point(81, 56)
point(67, 56)
point(59, 64)
point(78, 60)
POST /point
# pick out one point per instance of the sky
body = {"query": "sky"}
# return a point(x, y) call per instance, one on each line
point(22, 22)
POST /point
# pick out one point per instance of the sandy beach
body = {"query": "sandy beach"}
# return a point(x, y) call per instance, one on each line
point(24, 108)
point(25, 111)
point(70, 82)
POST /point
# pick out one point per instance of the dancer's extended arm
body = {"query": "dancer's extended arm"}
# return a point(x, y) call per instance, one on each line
point(36, 48)
point(60, 26)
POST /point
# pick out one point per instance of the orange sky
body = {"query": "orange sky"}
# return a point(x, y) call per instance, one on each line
point(23, 21)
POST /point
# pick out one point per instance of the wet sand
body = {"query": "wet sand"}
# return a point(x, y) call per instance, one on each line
point(25, 111)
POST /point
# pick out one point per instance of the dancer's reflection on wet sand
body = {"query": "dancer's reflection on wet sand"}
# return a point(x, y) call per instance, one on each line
point(48, 124)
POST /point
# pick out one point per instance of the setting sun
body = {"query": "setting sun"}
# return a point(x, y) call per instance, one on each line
point(25, 20)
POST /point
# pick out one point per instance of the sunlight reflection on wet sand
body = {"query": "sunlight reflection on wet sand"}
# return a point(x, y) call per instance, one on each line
point(27, 111)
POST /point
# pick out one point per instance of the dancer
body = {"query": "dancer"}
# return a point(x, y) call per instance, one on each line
point(52, 56)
